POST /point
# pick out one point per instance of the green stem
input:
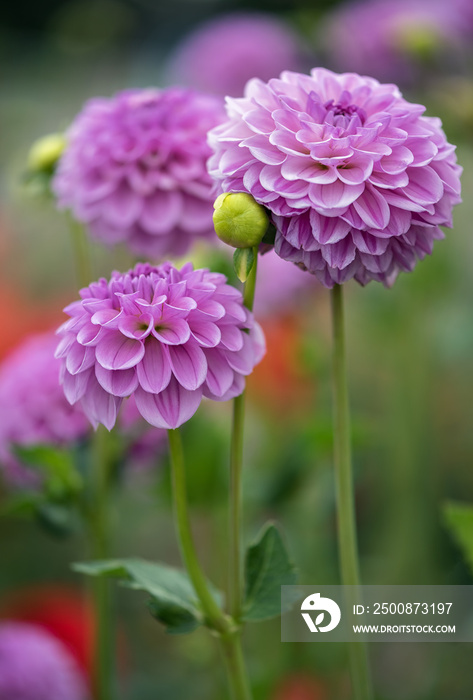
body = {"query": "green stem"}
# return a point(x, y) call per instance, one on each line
point(358, 657)
point(235, 575)
point(227, 631)
point(80, 246)
point(104, 648)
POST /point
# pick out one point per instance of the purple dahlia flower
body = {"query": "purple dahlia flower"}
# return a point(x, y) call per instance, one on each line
point(33, 409)
point(134, 169)
point(222, 55)
point(165, 336)
point(358, 181)
point(34, 665)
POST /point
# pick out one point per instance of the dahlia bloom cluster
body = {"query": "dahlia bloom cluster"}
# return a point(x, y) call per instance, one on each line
point(391, 34)
point(358, 181)
point(220, 56)
point(165, 336)
point(34, 665)
point(134, 169)
point(33, 409)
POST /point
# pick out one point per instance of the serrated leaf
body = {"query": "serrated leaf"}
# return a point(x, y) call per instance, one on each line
point(243, 261)
point(459, 520)
point(267, 568)
point(173, 601)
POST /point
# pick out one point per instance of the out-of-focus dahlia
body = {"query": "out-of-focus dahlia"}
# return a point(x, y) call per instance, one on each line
point(220, 56)
point(34, 665)
point(33, 409)
point(394, 37)
point(134, 169)
point(165, 336)
point(64, 613)
point(358, 181)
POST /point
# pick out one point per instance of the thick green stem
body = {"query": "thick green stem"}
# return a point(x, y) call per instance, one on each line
point(358, 657)
point(224, 626)
point(235, 577)
point(104, 647)
point(80, 246)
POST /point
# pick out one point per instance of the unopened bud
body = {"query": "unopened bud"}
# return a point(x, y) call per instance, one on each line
point(45, 153)
point(239, 220)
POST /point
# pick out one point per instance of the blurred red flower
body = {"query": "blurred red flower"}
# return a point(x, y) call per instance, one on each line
point(280, 382)
point(64, 612)
point(300, 686)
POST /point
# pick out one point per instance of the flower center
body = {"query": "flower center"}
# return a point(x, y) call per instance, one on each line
point(343, 114)
point(339, 109)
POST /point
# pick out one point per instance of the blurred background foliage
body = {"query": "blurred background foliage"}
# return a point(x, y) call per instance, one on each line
point(410, 368)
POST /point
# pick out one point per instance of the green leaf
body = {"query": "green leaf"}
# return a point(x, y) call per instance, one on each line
point(459, 520)
point(267, 568)
point(243, 260)
point(21, 504)
point(176, 619)
point(173, 601)
point(61, 476)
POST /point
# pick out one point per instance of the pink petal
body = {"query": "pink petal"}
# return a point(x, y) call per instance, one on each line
point(425, 186)
point(174, 331)
point(356, 170)
point(206, 333)
point(242, 361)
point(136, 327)
point(100, 406)
point(327, 230)
point(341, 254)
point(79, 358)
point(115, 351)
point(373, 208)
point(305, 168)
point(219, 373)
point(170, 408)
point(366, 243)
point(397, 161)
point(232, 337)
point(336, 195)
point(154, 370)
point(75, 386)
point(120, 382)
point(189, 365)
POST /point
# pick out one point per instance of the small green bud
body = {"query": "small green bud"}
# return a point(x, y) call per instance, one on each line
point(239, 221)
point(45, 153)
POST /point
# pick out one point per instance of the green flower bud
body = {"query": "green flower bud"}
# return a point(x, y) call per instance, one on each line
point(239, 221)
point(45, 153)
